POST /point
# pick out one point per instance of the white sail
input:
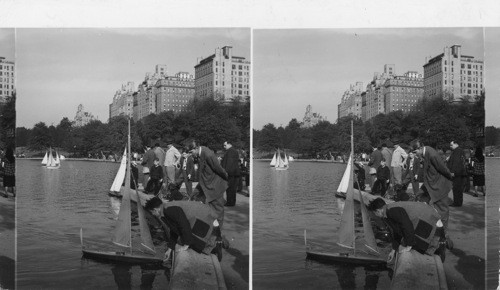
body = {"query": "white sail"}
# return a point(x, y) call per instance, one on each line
point(51, 162)
point(120, 175)
point(146, 240)
point(123, 231)
point(273, 162)
point(285, 162)
point(58, 161)
point(279, 161)
point(45, 159)
point(347, 234)
point(345, 178)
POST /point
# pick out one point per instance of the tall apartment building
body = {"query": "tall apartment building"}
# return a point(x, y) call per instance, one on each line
point(173, 93)
point(453, 76)
point(123, 101)
point(310, 119)
point(223, 76)
point(375, 102)
point(82, 118)
point(6, 79)
point(145, 98)
point(403, 92)
point(351, 103)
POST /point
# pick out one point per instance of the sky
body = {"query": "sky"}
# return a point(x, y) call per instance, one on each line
point(7, 43)
point(492, 76)
point(58, 69)
point(297, 67)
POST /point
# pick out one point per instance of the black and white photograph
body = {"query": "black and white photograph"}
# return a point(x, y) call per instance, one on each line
point(369, 160)
point(134, 146)
point(249, 144)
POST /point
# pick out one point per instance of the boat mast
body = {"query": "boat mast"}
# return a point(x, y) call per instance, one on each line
point(352, 174)
point(127, 179)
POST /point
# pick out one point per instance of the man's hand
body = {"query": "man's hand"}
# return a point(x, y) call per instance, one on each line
point(183, 248)
point(404, 249)
point(391, 256)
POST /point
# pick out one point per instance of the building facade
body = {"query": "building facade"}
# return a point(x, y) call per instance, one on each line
point(82, 118)
point(173, 93)
point(401, 93)
point(123, 102)
point(351, 103)
point(375, 102)
point(7, 79)
point(453, 76)
point(310, 119)
point(144, 99)
point(223, 76)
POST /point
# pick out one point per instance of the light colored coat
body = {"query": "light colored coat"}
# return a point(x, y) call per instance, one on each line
point(398, 157)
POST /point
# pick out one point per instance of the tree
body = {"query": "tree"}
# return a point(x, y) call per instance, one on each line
point(40, 137)
point(269, 140)
point(63, 133)
point(8, 122)
point(23, 136)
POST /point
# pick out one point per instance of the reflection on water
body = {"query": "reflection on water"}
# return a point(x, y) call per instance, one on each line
point(492, 221)
point(52, 206)
point(284, 204)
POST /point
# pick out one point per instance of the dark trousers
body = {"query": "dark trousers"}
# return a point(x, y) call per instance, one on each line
point(183, 177)
point(458, 189)
point(380, 187)
point(153, 186)
point(232, 182)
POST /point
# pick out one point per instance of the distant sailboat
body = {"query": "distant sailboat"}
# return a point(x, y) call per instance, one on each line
point(52, 163)
point(280, 163)
point(45, 158)
point(143, 253)
point(58, 160)
point(273, 162)
point(347, 236)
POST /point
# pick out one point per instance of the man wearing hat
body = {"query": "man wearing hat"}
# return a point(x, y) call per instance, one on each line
point(172, 157)
point(437, 180)
point(398, 160)
point(212, 179)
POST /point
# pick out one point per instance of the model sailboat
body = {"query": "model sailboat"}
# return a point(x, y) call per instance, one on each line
point(273, 162)
point(52, 163)
point(280, 163)
point(45, 158)
point(368, 253)
point(128, 252)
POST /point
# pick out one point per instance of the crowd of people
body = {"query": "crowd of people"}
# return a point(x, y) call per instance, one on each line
point(164, 173)
point(418, 219)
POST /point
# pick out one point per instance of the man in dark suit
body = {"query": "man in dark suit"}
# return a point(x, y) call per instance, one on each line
point(374, 163)
point(230, 163)
point(437, 180)
point(456, 164)
point(212, 179)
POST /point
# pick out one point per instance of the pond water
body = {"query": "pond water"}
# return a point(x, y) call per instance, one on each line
point(284, 204)
point(52, 206)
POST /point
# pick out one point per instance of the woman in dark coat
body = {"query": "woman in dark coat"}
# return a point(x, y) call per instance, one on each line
point(478, 171)
point(9, 178)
